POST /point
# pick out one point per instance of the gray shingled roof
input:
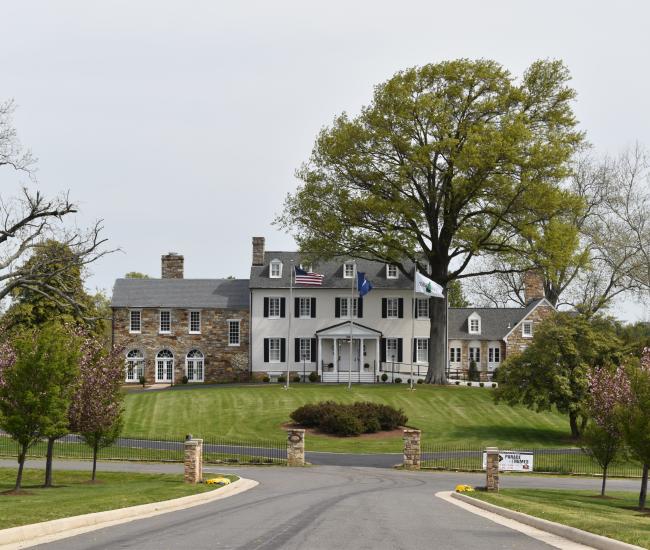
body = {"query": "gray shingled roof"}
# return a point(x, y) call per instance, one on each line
point(332, 269)
point(182, 293)
point(495, 322)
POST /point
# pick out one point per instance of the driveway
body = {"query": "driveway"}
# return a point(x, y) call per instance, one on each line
point(325, 507)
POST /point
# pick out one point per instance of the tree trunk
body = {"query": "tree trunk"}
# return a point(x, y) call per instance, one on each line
point(437, 372)
point(95, 450)
point(48, 462)
point(602, 487)
point(644, 487)
point(573, 422)
point(21, 464)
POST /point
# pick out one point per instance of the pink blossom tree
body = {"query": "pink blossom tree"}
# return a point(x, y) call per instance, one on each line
point(96, 409)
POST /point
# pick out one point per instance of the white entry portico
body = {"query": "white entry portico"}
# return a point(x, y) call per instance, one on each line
point(335, 347)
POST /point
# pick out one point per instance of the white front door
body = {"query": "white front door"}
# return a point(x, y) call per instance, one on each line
point(164, 369)
point(344, 355)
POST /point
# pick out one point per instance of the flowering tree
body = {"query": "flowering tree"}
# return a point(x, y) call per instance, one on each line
point(96, 409)
point(603, 437)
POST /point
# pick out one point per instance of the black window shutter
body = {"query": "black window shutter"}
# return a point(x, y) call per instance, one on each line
point(266, 349)
point(283, 306)
point(337, 307)
point(283, 349)
point(415, 349)
point(384, 308)
point(400, 308)
point(297, 349)
point(400, 350)
point(266, 306)
point(314, 358)
point(296, 307)
point(415, 308)
point(360, 307)
point(383, 350)
point(313, 308)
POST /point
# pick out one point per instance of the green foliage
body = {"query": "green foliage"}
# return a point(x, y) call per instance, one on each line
point(313, 376)
point(553, 370)
point(295, 378)
point(282, 379)
point(136, 275)
point(603, 446)
point(473, 372)
point(384, 377)
point(634, 416)
point(455, 295)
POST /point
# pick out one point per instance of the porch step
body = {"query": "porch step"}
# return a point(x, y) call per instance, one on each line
point(342, 377)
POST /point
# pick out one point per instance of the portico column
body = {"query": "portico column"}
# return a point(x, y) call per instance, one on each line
point(320, 356)
point(336, 356)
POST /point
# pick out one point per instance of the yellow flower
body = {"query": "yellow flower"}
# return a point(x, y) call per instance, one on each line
point(218, 481)
point(464, 489)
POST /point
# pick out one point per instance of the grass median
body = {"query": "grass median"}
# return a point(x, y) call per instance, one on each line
point(73, 494)
point(615, 516)
point(454, 415)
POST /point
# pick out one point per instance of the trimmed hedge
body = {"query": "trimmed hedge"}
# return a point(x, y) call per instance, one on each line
point(349, 419)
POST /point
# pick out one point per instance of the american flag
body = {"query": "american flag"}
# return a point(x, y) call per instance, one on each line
point(308, 278)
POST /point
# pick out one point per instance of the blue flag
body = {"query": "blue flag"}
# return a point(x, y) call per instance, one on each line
point(363, 285)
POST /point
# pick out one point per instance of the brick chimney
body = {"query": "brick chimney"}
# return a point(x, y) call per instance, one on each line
point(533, 286)
point(258, 251)
point(172, 266)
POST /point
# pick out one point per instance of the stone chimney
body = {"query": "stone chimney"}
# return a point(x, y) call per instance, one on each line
point(258, 251)
point(533, 286)
point(172, 266)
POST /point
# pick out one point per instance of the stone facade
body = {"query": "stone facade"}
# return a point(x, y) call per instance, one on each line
point(222, 362)
point(533, 286)
point(193, 461)
point(258, 251)
point(412, 451)
point(296, 447)
point(172, 266)
point(492, 469)
point(516, 342)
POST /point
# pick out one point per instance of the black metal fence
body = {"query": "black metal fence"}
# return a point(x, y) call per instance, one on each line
point(557, 461)
point(215, 450)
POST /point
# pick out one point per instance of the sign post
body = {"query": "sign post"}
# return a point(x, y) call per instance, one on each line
point(511, 461)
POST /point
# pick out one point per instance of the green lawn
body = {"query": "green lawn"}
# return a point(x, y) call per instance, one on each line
point(454, 415)
point(73, 495)
point(614, 517)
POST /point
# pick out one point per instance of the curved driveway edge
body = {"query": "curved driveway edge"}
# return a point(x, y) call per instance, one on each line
point(571, 533)
point(25, 536)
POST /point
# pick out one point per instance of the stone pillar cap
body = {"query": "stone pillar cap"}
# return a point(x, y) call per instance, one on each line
point(491, 449)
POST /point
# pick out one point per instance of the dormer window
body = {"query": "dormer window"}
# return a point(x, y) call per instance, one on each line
point(276, 269)
point(348, 270)
point(474, 323)
point(391, 271)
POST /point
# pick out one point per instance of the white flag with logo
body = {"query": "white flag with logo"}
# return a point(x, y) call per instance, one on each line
point(427, 286)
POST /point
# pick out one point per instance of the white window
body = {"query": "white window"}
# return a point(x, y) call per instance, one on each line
point(391, 271)
point(233, 332)
point(274, 308)
point(164, 366)
point(391, 350)
point(475, 354)
point(474, 324)
point(422, 353)
point(494, 355)
point(422, 305)
point(134, 365)
point(305, 349)
point(304, 308)
point(527, 329)
point(194, 366)
point(276, 269)
point(454, 355)
point(392, 308)
point(274, 350)
point(135, 321)
point(348, 270)
point(345, 309)
point(165, 321)
point(195, 322)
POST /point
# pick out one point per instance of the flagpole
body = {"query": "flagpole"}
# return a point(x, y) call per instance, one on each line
point(290, 313)
point(350, 310)
point(446, 331)
point(413, 310)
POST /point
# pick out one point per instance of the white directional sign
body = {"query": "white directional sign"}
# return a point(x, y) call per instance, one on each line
point(510, 461)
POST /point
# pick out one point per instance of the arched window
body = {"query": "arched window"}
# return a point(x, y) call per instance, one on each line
point(164, 366)
point(134, 365)
point(194, 366)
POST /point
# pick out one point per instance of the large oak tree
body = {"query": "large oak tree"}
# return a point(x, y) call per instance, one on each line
point(449, 162)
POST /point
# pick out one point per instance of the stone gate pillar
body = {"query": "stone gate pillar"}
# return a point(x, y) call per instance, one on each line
point(193, 462)
point(492, 469)
point(411, 449)
point(295, 447)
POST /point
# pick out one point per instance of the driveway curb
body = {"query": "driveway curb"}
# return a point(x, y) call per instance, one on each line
point(25, 536)
point(570, 533)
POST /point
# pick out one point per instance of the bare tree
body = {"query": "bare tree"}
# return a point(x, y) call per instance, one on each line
point(612, 232)
point(28, 219)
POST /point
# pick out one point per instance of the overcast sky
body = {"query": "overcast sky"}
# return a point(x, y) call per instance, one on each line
point(181, 123)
